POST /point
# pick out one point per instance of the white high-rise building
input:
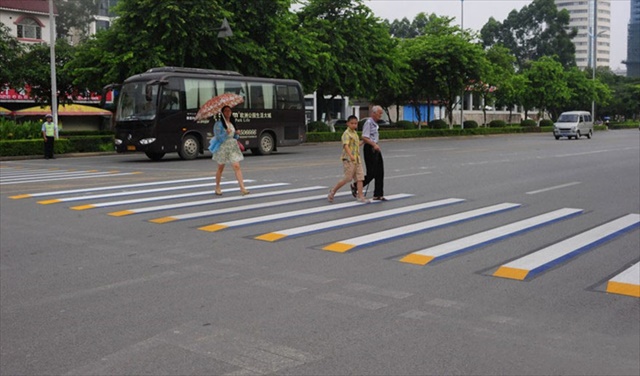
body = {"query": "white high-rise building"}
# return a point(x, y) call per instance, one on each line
point(581, 13)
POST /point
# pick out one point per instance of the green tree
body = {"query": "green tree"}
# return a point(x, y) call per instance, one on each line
point(445, 65)
point(538, 30)
point(497, 75)
point(583, 91)
point(35, 71)
point(353, 47)
point(149, 33)
point(422, 24)
point(267, 41)
point(511, 92)
point(625, 95)
point(10, 51)
point(547, 85)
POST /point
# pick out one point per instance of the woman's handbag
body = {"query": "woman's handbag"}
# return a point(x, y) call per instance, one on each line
point(240, 145)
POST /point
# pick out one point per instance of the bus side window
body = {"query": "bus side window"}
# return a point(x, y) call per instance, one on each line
point(256, 97)
point(281, 95)
point(235, 87)
point(170, 100)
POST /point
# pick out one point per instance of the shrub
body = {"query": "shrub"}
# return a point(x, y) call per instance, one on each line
point(470, 124)
point(29, 130)
point(497, 124)
point(438, 124)
point(318, 126)
point(528, 123)
point(546, 123)
point(405, 124)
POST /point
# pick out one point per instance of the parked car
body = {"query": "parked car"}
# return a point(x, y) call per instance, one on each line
point(381, 123)
point(333, 123)
point(573, 124)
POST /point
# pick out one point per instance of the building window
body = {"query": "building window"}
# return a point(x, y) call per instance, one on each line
point(28, 28)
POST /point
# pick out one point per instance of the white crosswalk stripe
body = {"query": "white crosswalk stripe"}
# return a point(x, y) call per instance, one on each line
point(543, 259)
point(427, 255)
point(317, 227)
point(291, 214)
point(167, 197)
point(348, 244)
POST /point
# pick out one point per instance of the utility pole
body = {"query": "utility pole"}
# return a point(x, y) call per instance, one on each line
point(52, 63)
point(594, 54)
point(462, 96)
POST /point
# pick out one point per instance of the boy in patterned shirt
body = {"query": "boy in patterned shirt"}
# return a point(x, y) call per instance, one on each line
point(351, 160)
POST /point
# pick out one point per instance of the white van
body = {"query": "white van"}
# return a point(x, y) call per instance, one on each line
point(573, 124)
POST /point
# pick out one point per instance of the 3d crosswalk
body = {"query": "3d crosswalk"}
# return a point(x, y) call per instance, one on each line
point(284, 201)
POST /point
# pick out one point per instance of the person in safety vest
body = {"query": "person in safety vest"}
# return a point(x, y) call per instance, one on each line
point(49, 132)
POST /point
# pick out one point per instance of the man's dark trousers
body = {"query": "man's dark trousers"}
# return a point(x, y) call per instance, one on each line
point(375, 170)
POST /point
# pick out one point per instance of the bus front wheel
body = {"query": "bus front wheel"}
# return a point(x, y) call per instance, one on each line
point(266, 144)
point(189, 148)
point(154, 156)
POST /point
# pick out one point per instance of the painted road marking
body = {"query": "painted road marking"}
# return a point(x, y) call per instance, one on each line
point(91, 176)
point(552, 188)
point(128, 193)
point(169, 197)
point(349, 244)
point(296, 213)
point(234, 209)
point(48, 174)
point(112, 187)
point(626, 283)
point(467, 243)
point(212, 201)
point(317, 227)
point(527, 266)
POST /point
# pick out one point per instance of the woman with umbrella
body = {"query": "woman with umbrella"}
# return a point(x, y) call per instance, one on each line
point(225, 149)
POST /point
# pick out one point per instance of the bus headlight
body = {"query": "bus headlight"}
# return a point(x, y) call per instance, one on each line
point(147, 141)
point(117, 141)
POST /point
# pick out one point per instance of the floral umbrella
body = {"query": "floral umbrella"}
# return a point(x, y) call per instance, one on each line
point(215, 104)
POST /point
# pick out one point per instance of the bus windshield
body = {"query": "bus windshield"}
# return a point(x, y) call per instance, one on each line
point(137, 102)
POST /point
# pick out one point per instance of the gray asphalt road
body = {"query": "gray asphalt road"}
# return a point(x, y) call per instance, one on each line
point(100, 277)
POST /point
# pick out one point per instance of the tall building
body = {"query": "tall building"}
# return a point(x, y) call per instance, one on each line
point(633, 41)
point(587, 16)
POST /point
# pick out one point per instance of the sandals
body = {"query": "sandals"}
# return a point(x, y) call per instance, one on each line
point(331, 195)
point(244, 192)
point(380, 198)
point(363, 200)
point(354, 190)
point(218, 192)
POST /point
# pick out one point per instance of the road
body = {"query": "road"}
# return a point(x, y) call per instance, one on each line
point(509, 254)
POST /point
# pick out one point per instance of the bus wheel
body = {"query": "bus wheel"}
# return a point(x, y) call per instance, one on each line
point(266, 144)
point(190, 147)
point(154, 156)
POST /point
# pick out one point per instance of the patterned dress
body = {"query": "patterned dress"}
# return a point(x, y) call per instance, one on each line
point(229, 151)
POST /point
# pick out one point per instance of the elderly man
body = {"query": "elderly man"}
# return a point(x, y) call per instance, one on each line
point(373, 155)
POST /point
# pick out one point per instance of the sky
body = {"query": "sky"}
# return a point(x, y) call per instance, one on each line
point(477, 12)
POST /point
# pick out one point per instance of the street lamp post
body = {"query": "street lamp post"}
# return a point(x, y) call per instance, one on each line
point(462, 95)
point(594, 52)
point(593, 35)
point(52, 63)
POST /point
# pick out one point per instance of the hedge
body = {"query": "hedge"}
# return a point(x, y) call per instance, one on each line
point(425, 132)
point(71, 144)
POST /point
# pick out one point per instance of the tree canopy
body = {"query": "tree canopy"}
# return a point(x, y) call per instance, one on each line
point(537, 30)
